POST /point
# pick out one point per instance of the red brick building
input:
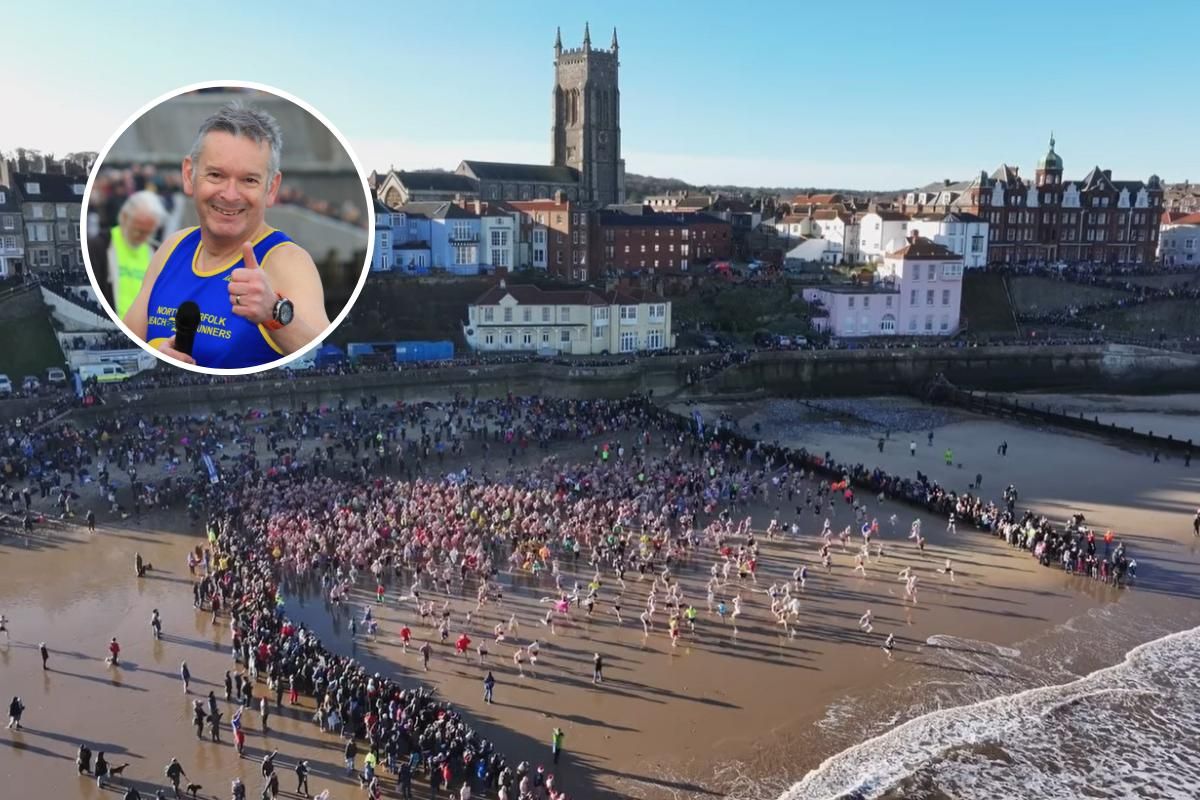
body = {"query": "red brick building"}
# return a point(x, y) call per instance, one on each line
point(1050, 219)
point(623, 242)
point(553, 236)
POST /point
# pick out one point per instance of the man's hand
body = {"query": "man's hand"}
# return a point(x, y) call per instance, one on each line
point(250, 291)
point(167, 348)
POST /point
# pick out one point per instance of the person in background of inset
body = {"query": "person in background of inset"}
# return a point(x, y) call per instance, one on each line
point(121, 255)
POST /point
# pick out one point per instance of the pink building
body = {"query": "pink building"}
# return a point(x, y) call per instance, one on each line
point(918, 292)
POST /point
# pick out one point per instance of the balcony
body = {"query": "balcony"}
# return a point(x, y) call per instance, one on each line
point(463, 237)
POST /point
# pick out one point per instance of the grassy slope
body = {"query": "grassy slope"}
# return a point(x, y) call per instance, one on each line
point(30, 346)
point(985, 304)
point(1032, 295)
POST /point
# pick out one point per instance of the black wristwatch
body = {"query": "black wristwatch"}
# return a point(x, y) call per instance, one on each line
point(281, 314)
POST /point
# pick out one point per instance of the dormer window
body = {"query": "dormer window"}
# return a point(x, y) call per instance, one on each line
point(33, 188)
point(78, 189)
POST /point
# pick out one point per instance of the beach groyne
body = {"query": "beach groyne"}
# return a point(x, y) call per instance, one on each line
point(1029, 411)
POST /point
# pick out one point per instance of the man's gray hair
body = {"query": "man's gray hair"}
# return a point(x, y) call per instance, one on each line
point(143, 202)
point(241, 120)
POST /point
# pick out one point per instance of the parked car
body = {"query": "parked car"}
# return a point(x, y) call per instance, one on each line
point(55, 376)
point(6, 388)
point(31, 384)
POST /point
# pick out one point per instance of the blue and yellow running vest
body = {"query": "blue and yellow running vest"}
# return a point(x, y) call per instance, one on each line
point(223, 340)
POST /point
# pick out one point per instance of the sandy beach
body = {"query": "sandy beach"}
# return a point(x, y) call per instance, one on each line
point(721, 715)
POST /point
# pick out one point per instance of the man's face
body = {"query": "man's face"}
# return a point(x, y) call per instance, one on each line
point(139, 227)
point(231, 185)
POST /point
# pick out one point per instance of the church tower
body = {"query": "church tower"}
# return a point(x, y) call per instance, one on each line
point(587, 118)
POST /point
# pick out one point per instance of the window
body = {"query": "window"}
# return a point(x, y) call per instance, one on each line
point(527, 315)
point(508, 314)
point(629, 342)
point(598, 332)
point(887, 324)
point(850, 302)
point(912, 297)
point(3, 197)
point(37, 210)
point(564, 336)
point(866, 302)
point(564, 313)
point(916, 273)
point(912, 323)
point(545, 337)
point(945, 297)
point(977, 244)
point(78, 189)
point(600, 315)
point(658, 312)
point(500, 256)
point(628, 315)
point(929, 297)
point(60, 211)
point(929, 322)
point(489, 314)
point(489, 338)
point(932, 272)
point(462, 231)
point(527, 338)
point(33, 188)
point(945, 323)
point(888, 302)
point(654, 340)
point(545, 313)
point(464, 256)
point(9, 222)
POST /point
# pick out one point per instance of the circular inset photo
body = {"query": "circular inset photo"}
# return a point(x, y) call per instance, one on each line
point(227, 227)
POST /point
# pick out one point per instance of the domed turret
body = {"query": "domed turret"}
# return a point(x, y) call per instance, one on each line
point(1051, 160)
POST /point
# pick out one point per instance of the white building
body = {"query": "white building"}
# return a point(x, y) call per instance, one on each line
point(498, 237)
point(918, 292)
point(963, 234)
point(1179, 240)
point(880, 233)
point(814, 251)
point(569, 321)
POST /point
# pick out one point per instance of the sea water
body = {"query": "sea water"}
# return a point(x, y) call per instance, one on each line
point(1131, 730)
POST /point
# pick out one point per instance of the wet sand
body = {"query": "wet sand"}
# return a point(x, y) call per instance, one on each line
point(665, 720)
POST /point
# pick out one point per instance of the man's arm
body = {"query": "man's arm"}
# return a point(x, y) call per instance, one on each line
point(289, 271)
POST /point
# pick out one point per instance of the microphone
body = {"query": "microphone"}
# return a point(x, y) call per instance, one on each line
point(187, 320)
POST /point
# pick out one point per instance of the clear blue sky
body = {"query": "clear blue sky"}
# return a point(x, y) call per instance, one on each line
point(857, 95)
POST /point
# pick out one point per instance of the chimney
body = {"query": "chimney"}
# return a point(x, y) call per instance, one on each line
point(945, 181)
point(913, 236)
point(503, 285)
point(560, 197)
point(478, 207)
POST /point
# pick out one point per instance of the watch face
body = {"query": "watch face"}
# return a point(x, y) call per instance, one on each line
point(283, 312)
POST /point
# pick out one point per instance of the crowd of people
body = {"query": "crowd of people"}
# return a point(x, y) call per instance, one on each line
point(425, 500)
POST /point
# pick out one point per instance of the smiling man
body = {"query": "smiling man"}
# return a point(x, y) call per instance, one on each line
point(259, 293)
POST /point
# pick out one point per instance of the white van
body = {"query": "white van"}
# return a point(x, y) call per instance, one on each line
point(103, 373)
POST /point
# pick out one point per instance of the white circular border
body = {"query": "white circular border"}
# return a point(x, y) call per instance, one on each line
point(261, 87)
